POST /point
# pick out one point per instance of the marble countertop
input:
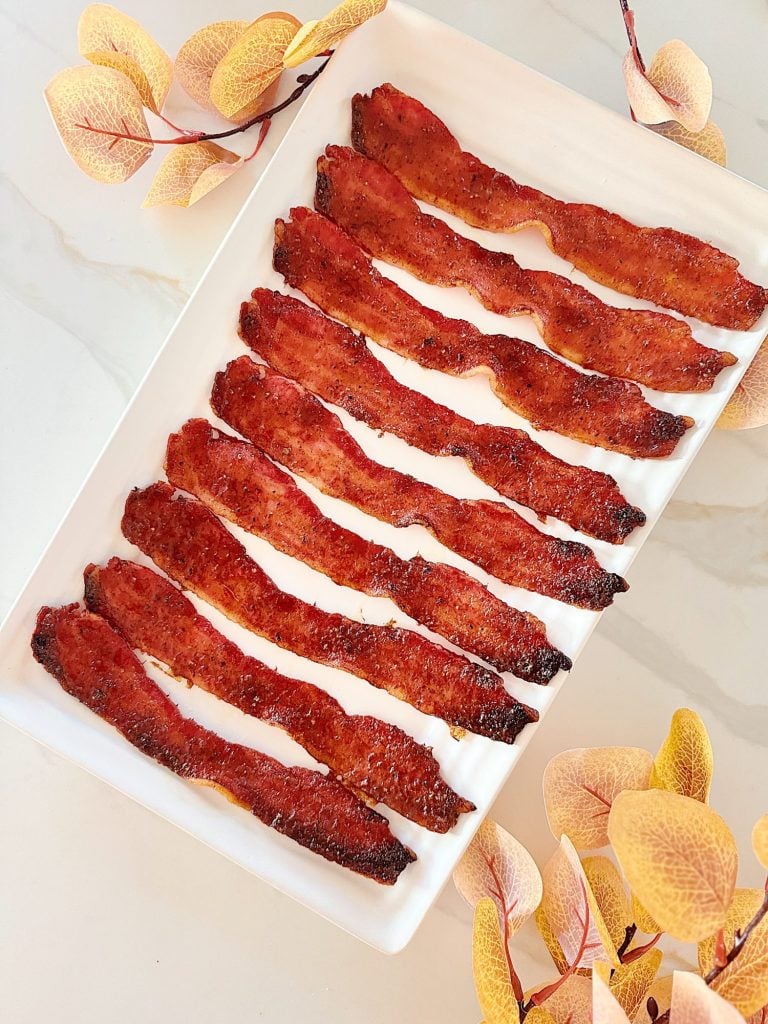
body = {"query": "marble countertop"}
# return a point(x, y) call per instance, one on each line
point(109, 913)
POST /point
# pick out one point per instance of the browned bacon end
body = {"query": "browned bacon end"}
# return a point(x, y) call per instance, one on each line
point(369, 756)
point(316, 256)
point(652, 348)
point(189, 543)
point(338, 366)
point(668, 267)
point(95, 665)
point(238, 482)
point(293, 427)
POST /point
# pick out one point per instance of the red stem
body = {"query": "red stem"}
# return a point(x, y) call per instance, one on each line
point(638, 951)
point(517, 987)
point(545, 993)
point(191, 137)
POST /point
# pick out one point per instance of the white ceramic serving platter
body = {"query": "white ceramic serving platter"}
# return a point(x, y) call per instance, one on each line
point(542, 134)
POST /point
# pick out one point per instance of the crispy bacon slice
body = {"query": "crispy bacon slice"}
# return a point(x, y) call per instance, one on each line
point(94, 663)
point(189, 543)
point(316, 256)
point(293, 427)
point(668, 267)
point(654, 349)
point(336, 364)
point(238, 482)
point(369, 756)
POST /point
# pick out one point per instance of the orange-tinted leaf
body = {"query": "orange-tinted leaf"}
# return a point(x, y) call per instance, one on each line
point(318, 36)
point(496, 865)
point(761, 1017)
point(605, 1008)
point(694, 1003)
point(580, 786)
point(676, 87)
point(684, 763)
point(85, 102)
point(748, 406)
point(744, 982)
point(679, 857)
point(572, 1002)
point(489, 965)
point(110, 38)
point(760, 840)
point(550, 941)
point(709, 142)
point(608, 888)
point(661, 992)
point(197, 59)
point(572, 912)
point(253, 63)
point(642, 918)
point(630, 982)
point(190, 172)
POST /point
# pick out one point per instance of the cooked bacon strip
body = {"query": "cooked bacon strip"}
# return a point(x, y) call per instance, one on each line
point(238, 482)
point(189, 543)
point(369, 756)
point(668, 267)
point(315, 255)
point(336, 364)
point(293, 427)
point(94, 664)
point(654, 349)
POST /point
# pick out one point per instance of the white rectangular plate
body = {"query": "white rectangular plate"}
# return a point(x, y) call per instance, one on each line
point(542, 134)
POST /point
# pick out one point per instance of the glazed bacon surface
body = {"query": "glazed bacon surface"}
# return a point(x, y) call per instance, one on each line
point(367, 755)
point(94, 664)
point(335, 363)
point(293, 427)
point(189, 543)
point(314, 255)
point(238, 482)
point(654, 349)
point(667, 267)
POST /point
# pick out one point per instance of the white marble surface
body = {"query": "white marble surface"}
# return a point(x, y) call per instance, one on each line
point(108, 913)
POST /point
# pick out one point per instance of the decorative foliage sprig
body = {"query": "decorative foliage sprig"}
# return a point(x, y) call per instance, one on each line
point(673, 872)
point(230, 67)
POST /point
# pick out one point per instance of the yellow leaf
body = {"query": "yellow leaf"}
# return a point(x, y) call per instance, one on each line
point(745, 981)
point(694, 1003)
point(550, 941)
point(676, 87)
point(108, 37)
point(748, 406)
point(608, 888)
point(318, 36)
point(580, 786)
point(538, 1015)
point(253, 63)
point(198, 57)
point(679, 857)
point(684, 763)
point(709, 142)
point(572, 912)
point(571, 1003)
point(661, 992)
point(88, 101)
point(760, 840)
point(761, 1017)
point(489, 965)
point(630, 982)
point(642, 918)
point(605, 1009)
point(496, 865)
point(189, 172)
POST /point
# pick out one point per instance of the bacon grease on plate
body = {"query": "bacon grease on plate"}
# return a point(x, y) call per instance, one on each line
point(668, 267)
point(94, 664)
